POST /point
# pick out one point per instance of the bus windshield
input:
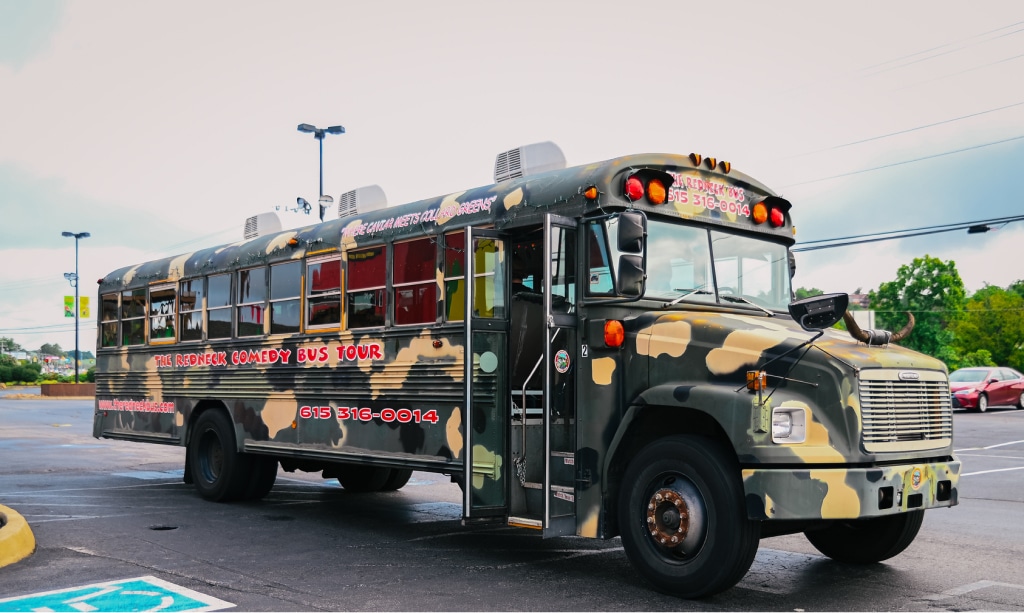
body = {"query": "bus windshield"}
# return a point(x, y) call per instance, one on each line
point(715, 266)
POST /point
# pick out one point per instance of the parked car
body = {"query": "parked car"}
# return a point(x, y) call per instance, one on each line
point(977, 389)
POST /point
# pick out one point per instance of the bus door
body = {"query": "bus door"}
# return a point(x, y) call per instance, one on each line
point(486, 356)
point(543, 356)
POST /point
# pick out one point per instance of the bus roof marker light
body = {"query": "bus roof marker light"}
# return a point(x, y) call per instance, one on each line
point(590, 193)
point(710, 163)
point(695, 158)
point(726, 167)
point(634, 188)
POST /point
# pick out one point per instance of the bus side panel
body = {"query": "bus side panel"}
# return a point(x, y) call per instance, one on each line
point(330, 397)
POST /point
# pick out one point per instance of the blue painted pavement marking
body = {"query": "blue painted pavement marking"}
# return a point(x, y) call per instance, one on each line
point(138, 594)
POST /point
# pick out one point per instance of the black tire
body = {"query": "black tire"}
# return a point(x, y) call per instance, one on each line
point(359, 478)
point(982, 403)
point(717, 544)
point(262, 475)
point(1020, 401)
point(219, 472)
point(397, 479)
point(866, 541)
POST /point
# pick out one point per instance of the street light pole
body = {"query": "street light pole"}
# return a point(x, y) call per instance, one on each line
point(74, 282)
point(319, 134)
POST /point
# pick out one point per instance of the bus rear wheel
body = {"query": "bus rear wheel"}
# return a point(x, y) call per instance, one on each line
point(397, 479)
point(682, 516)
point(865, 541)
point(360, 478)
point(219, 471)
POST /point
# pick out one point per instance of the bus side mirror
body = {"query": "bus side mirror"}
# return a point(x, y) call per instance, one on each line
point(632, 232)
point(819, 312)
point(630, 280)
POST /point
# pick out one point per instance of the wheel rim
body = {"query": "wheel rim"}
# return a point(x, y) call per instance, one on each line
point(982, 403)
point(211, 456)
point(675, 517)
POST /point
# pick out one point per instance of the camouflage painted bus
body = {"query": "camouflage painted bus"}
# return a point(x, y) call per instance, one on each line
point(604, 350)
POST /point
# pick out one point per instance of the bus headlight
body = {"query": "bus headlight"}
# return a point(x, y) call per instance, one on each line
point(789, 425)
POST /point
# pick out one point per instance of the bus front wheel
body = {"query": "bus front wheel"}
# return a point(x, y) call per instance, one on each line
point(865, 541)
point(682, 517)
point(219, 472)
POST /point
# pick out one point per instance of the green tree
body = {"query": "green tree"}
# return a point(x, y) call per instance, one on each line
point(993, 321)
point(803, 292)
point(8, 345)
point(53, 349)
point(934, 292)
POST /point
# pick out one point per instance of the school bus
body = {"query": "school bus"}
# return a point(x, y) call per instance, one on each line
point(599, 351)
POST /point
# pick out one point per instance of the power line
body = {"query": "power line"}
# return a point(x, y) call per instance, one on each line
point(930, 125)
point(894, 234)
point(927, 157)
point(1012, 25)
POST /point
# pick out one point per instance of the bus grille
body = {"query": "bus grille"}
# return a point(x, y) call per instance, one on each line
point(905, 415)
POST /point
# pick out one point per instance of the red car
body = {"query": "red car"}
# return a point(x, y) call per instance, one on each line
point(977, 389)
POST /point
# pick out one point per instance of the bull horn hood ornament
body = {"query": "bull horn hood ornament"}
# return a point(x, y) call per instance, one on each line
point(877, 337)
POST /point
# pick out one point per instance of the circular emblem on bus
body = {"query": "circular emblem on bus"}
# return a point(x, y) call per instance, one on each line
point(915, 479)
point(562, 361)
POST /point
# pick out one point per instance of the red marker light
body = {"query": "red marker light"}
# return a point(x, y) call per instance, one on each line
point(777, 218)
point(634, 188)
point(614, 333)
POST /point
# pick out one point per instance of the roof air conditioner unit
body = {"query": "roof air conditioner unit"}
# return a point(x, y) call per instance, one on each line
point(528, 160)
point(362, 200)
point(258, 225)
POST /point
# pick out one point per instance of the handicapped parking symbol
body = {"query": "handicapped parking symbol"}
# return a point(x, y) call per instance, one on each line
point(138, 594)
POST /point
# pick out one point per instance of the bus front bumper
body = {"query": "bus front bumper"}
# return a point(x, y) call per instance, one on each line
point(849, 493)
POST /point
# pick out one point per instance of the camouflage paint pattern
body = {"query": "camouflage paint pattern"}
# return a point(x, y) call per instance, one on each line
point(687, 358)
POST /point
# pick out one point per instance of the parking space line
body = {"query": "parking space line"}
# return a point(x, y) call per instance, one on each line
point(997, 470)
point(971, 587)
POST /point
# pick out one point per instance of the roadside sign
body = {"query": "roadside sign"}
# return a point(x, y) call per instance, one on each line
point(138, 594)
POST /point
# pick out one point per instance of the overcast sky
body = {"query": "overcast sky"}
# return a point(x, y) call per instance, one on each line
point(159, 127)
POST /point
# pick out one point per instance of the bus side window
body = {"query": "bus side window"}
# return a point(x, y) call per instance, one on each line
point(599, 270)
point(414, 279)
point(323, 293)
point(190, 310)
point(285, 287)
point(162, 303)
point(133, 317)
point(454, 276)
point(365, 302)
point(252, 294)
point(108, 320)
point(218, 306)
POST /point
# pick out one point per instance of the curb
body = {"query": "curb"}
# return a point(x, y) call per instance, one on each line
point(16, 539)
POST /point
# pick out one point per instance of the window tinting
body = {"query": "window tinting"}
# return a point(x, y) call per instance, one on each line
point(133, 317)
point(252, 293)
point(108, 319)
point(454, 276)
point(414, 278)
point(323, 293)
point(366, 278)
point(162, 301)
point(190, 305)
point(285, 285)
point(218, 305)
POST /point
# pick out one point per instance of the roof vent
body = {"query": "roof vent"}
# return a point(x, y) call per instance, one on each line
point(258, 225)
point(528, 160)
point(361, 200)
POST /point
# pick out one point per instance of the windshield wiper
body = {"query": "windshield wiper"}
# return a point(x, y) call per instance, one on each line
point(745, 301)
point(684, 296)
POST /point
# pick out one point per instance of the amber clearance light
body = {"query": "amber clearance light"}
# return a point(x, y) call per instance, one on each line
point(760, 214)
point(656, 192)
point(614, 333)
